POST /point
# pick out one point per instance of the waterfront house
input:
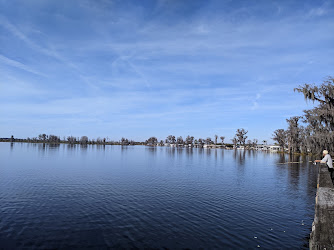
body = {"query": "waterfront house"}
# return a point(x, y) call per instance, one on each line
point(275, 148)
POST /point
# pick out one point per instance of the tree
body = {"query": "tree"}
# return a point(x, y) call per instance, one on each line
point(189, 140)
point(293, 134)
point(200, 142)
point(71, 139)
point(216, 138)
point(124, 141)
point(222, 138)
point(84, 139)
point(280, 136)
point(42, 137)
point(12, 138)
point(241, 136)
point(319, 131)
point(235, 142)
point(152, 141)
point(179, 141)
point(171, 139)
point(54, 139)
point(249, 144)
point(208, 141)
point(255, 142)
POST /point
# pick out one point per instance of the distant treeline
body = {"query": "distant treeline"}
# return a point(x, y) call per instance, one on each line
point(171, 140)
point(240, 139)
point(53, 139)
point(313, 131)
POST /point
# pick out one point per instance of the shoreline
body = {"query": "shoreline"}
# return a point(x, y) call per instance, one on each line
point(143, 144)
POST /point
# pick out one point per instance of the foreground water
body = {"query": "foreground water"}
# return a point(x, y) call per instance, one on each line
point(62, 196)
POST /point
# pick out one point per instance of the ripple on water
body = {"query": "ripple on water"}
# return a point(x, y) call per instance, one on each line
point(115, 197)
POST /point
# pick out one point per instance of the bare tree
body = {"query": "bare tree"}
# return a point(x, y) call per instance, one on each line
point(71, 139)
point(84, 139)
point(293, 134)
point(280, 136)
point(255, 142)
point(235, 142)
point(241, 136)
point(54, 139)
point(249, 144)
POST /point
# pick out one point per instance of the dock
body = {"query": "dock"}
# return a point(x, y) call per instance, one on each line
point(322, 235)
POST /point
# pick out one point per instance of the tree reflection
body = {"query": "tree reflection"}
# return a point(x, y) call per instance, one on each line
point(297, 172)
point(71, 146)
point(152, 150)
point(171, 152)
point(239, 156)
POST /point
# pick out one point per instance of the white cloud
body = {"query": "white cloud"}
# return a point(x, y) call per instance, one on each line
point(19, 65)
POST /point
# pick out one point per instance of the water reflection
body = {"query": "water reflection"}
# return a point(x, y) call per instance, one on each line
point(46, 149)
point(83, 149)
point(189, 152)
point(149, 195)
point(152, 150)
point(239, 156)
point(71, 146)
point(298, 172)
point(171, 152)
point(100, 146)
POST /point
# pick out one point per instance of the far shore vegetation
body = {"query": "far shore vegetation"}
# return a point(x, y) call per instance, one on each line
point(307, 134)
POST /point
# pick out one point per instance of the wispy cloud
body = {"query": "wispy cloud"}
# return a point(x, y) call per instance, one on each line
point(173, 66)
point(16, 64)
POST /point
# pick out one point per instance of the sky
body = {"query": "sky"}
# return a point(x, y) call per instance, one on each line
point(138, 69)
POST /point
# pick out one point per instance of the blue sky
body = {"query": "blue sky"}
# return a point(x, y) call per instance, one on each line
point(153, 68)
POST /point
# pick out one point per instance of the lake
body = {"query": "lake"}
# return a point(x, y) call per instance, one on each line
point(63, 196)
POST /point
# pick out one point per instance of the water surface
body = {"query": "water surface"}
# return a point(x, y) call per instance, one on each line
point(63, 196)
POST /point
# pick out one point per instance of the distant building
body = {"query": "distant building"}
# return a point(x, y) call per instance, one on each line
point(272, 148)
point(275, 148)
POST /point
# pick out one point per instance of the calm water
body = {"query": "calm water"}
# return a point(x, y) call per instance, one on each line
point(61, 196)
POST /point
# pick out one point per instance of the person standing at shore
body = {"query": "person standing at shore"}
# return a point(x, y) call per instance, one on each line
point(327, 159)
